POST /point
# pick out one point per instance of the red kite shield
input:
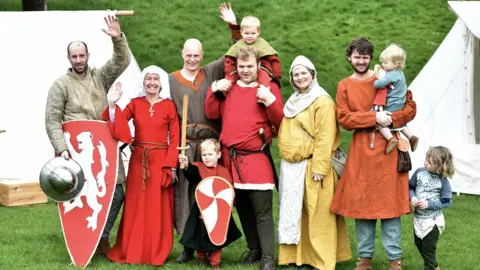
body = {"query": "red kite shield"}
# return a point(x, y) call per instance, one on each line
point(91, 145)
point(215, 197)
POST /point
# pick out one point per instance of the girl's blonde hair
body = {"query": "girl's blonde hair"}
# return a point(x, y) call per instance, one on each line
point(215, 143)
point(396, 54)
point(250, 21)
point(441, 160)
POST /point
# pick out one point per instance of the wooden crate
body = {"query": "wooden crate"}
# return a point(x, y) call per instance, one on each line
point(20, 192)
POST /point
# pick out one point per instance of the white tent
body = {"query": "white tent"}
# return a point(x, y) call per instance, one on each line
point(447, 92)
point(32, 55)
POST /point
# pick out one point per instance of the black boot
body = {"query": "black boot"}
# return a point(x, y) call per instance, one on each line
point(186, 256)
point(251, 256)
point(267, 263)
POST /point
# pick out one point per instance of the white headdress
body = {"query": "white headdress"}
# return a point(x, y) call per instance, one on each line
point(164, 83)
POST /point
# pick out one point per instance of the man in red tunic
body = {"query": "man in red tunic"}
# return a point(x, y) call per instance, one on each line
point(371, 187)
point(243, 150)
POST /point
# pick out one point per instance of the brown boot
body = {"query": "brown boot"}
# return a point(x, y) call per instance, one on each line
point(103, 247)
point(413, 143)
point(392, 143)
point(395, 265)
point(364, 264)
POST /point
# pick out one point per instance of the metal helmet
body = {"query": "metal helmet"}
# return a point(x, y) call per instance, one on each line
point(62, 179)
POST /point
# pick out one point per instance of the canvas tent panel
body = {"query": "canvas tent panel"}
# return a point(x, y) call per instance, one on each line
point(445, 98)
point(440, 90)
point(468, 12)
point(476, 89)
point(30, 64)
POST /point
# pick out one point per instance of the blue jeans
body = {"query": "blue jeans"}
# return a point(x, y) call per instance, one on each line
point(391, 237)
point(117, 201)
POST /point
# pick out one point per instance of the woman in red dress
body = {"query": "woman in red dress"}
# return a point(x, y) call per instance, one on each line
point(145, 235)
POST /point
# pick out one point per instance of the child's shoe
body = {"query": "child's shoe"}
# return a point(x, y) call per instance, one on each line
point(392, 143)
point(413, 142)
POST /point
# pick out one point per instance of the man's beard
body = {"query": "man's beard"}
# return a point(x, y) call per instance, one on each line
point(80, 71)
point(367, 67)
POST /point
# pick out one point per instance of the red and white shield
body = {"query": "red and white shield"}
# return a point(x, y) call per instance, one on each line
point(215, 197)
point(91, 145)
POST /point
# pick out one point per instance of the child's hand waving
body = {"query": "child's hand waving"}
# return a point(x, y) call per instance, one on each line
point(227, 14)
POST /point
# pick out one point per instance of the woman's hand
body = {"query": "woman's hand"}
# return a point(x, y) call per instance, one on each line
point(114, 95)
point(317, 177)
point(174, 176)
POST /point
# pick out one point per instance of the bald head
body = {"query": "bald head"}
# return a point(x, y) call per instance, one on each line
point(78, 46)
point(192, 54)
point(193, 44)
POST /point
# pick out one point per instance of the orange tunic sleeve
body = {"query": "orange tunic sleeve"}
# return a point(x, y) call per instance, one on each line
point(351, 120)
point(400, 118)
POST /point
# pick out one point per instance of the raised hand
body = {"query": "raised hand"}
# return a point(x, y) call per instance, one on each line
point(113, 25)
point(114, 94)
point(226, 13)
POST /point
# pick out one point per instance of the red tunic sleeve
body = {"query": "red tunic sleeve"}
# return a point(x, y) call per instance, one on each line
point(275, 110)
point(400, 118)
point(230, 69)
point(275, 64)
point(120, 129)
point(348, 119)
point(213, 106)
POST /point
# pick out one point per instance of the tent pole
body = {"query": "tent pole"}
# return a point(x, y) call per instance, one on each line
point(124, 13)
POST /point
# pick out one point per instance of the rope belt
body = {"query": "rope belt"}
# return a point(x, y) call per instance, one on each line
point(146, 151)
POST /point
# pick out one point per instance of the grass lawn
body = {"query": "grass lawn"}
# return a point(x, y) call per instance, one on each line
point(31, 237)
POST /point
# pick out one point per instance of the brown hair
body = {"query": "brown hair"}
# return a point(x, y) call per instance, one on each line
point(246, 53)
point(361, 45)
point(215, 143)
point(441, 161)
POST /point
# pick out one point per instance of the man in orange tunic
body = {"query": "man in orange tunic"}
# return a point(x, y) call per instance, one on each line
point(371, 188)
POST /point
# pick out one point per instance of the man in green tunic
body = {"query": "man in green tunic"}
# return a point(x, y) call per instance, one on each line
point(81, 94)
